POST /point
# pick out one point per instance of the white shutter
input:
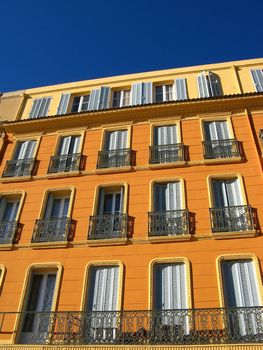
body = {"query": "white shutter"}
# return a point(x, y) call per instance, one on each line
point(63, 104)
point(147, 93)
point(219, 194)
point(104, 97)
point(25, 149)
point(165, 135)
point(180, 89)
point(233, 192)
point(64, 145)
point(76, 143)
point(136, 94)
point(202, 85)
point(173, 196)
point(40, 107)
point(94, 100)
point(257, 76)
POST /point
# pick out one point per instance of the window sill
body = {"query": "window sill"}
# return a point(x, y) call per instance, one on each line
point(222, 160)
point(63, 174)
point(234, 234)
point(105, 242)
point(178, 238)
point(15, 179)
point(167, 165)
point(47, 245)
point(7, 246)
point(122, 169)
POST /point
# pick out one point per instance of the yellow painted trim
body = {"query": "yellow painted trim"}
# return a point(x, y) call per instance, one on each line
point(167, 239)
point(170, 121)
point(86, 280)
point(225, 176)
point(25, 138)
point(222, 161)
point(49, 245)
point(16, 194)
point(2, 276)
point(109, 185)
point(60, 190)
point(45, 266)
point(63, 174)
point(167, 165)
point(234, 234)
point(122, 169)
point(166, 180)
point(171, 260)
point(73, 132)
point(106, 242)
point(240, 256)
point(116, 128)
point(227, 118)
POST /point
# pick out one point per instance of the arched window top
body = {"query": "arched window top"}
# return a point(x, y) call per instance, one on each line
point(209, 84)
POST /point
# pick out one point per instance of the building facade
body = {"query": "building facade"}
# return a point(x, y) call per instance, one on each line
point(131, 211)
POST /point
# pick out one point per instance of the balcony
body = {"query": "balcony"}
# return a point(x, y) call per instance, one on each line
point(8, 230)
point(149, 327)
point(52, 230)
point(167, 153)
point(221, 149)
point(115, 158)
point(65, 163)
point(169, 223)
point(235, 218)
point(19, 167)
point(109, 226)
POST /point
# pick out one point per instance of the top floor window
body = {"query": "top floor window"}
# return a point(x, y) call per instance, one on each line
point(209, 84)
point(164, 93)
point(257, 76)
point(80, 103)
point(40, 107)
point(121, 98)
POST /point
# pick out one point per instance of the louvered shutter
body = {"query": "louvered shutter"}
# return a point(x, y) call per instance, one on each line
point(173, 196)
point(104, 97)
point(216, 130)
point(202, 85)
point(257, 75)
point(180, 89)
point(141, 93)
point(25, 149)
point(94, 100)
point(64, 145)
point(63, 104)
point(40, 107)
point(165, 135)
point(75, 144)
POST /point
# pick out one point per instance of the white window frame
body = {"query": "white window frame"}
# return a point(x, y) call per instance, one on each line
point(121, 98)
point(164, 92)
point(80, 103)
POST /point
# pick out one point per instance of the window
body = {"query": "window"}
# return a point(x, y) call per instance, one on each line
point(102, 300)
point(68, 156)
point(9, 206)
point(80, 103)
point(229, 212)
point(110, 220)
point(257, 76)
point(170, 92)
point(55, 224)
point(121, 98)
point(168, 217)
point(166, 147)
point(209, 84)
point(241, 293)
point(40, 107)
point(23, 160)
point(115, 152)
point(40, 295)
point(170, 299)
point(218, 142)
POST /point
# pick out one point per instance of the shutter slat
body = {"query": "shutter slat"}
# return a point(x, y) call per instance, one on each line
point(180, 89)
point(63, 104)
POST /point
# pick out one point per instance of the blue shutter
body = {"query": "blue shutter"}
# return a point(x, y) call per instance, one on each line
point(257, 75)
point(180, 89)
point(63, 104)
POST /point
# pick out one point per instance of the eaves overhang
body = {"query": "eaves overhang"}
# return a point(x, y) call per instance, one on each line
point(138, 112)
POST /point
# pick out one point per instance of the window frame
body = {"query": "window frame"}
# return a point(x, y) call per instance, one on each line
point(16, 194)
point(70, 105)
point(86, 281)
point(62, 134)
point(24, 139)
point(169, 122)
point(46, 267)
point(237, 256)
point(253, 82)
point(164, 92)
point(208, 119)
point(122, 91)
point(123, 127)
point(2, 276)
point(169, 260)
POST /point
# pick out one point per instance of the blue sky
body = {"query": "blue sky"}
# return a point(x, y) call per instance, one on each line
point(45, 42)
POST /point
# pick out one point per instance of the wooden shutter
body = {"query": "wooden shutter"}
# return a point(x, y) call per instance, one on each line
point(99, 99)
point(40, 107)
point(202, 85)
point(141, 93)
point(104, 97)
point(63, 104)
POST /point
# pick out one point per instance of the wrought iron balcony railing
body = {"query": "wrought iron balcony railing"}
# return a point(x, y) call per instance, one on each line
point(7, 231)
point(19, 167)
point(229, 148)
point(153, 327)
point(108, 226)
point(52, 230)
point(168, 223)
point(235, 218)
point(167, 153)
point(114, 158)
point(65, 163)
